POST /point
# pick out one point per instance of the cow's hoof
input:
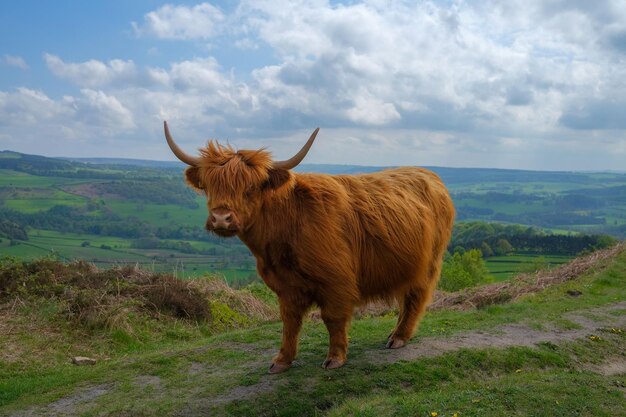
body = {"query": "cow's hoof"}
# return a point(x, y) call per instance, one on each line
point(333, 363)
point(394, 343)
point(278, 367)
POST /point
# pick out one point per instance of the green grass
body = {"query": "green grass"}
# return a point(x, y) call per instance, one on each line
point(161, 214)
point(506, 267)
point(506, 208)
point(548, 379)
point(559, 392)
point(10, 178)
point(30, 200)
point(68, 246)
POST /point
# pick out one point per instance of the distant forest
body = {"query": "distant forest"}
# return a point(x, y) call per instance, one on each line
point(500, 239)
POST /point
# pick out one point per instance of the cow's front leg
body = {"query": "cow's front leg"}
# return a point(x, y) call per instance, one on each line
point(291, 312)
point(337, 321)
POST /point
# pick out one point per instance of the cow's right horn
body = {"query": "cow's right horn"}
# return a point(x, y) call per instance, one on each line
point(194, 161)
point(297, 158)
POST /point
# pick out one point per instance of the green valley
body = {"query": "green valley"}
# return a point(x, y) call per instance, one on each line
point(112, 212)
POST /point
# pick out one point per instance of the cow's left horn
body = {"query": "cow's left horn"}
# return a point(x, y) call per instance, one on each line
point(194, 161)
point(297, 158)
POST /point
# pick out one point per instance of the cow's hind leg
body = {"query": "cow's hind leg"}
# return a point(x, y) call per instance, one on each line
point(336, 321)
point(412, 308)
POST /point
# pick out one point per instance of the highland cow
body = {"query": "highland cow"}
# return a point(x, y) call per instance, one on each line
point(335, 241)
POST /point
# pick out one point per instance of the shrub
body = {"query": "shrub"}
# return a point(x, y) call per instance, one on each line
point(463, 270)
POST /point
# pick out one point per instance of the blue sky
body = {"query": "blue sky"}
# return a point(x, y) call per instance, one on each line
point(530, 84)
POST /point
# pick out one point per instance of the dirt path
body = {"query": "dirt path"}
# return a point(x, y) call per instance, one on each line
point(506, 336)
point(66, 406)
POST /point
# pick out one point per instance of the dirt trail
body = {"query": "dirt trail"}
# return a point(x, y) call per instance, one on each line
point(507, 336)
point(66, 406)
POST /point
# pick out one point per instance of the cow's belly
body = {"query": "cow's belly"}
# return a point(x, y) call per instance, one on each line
point(384, 275)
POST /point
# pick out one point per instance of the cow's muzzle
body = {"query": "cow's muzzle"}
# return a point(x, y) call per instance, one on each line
point(223, 222)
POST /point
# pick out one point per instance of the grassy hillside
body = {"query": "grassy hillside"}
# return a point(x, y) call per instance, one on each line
point(555, 348)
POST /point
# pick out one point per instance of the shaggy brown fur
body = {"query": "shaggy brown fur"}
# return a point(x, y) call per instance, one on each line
point(334, 241)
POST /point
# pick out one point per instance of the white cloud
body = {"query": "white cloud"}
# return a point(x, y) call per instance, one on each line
point(92, 73)
point(199, 74)
point(27, 107)
point(91, 115)
point(99, 109)
point(371, 111)
point(181, 22)
point(15, 61)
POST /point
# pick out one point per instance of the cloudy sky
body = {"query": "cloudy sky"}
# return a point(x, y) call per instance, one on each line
point(533, 84)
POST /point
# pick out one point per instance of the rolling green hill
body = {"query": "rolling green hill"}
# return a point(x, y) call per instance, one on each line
point(116, 211)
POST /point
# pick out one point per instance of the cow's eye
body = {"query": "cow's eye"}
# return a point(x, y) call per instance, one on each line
point(249, 193)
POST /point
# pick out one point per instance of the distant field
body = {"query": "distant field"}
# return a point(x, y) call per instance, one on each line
point(10, 178)
point(41, 199)
point(160, 214)
point(505, 267)
point(106, 251)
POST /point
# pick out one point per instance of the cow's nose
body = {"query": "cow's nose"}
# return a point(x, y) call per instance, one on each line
point(221, 219)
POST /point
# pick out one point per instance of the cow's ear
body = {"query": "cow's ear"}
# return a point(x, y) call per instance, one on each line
point(192, 176)
point(277, 178)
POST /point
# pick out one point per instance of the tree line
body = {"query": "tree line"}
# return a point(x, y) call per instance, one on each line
point(500, 239)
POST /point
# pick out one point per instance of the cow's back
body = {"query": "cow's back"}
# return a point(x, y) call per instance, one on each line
point(399, 223)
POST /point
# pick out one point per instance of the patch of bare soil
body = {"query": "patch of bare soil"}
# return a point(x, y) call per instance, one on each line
point(67, 406)
point(610, 367)
point(258, 367)
point(199, 407)
point(88, 190)
point(148, 381)
point(505, 336)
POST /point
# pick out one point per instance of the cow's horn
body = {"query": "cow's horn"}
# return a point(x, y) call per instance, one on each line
point(297, 158)
point(194, 161)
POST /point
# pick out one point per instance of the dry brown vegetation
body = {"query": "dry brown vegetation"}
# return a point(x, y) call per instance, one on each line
point(523, 284)
point(95, 298)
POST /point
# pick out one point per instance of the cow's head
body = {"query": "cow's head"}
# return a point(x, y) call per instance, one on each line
point(235, 182)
